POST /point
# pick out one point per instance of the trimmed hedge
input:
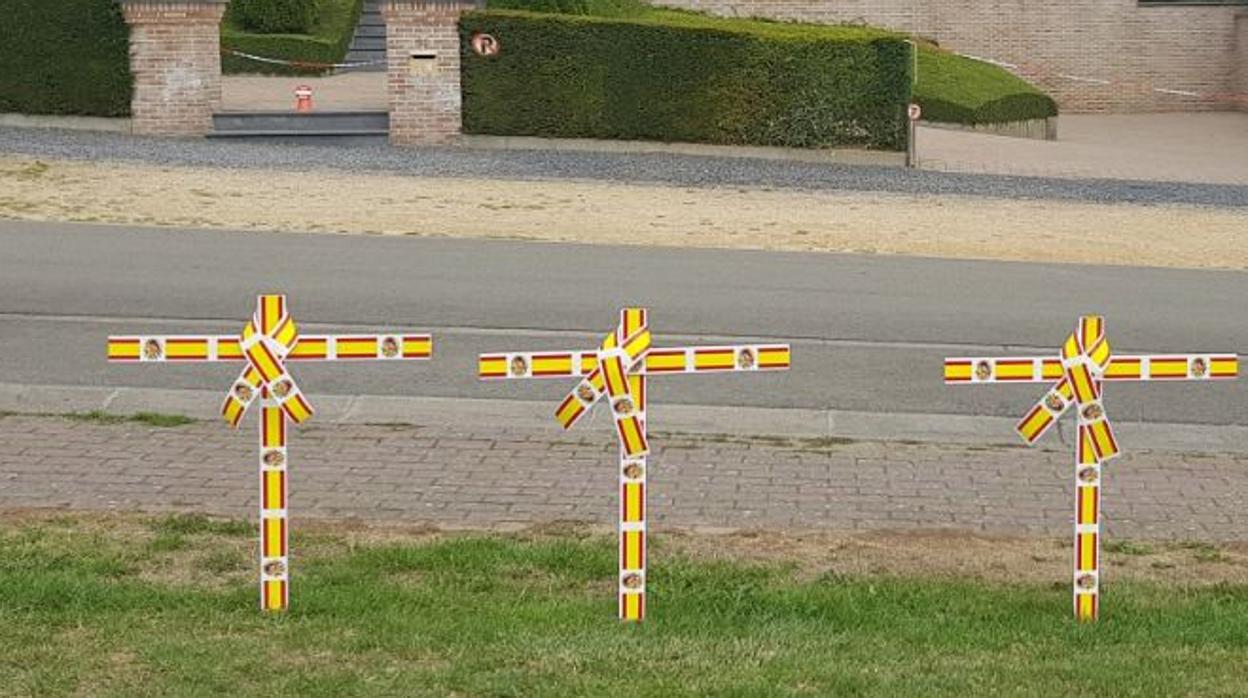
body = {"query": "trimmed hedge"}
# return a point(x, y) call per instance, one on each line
point(599, 8)
point(959, 90)
point(327, 43)
point(64, 57)
point(276, 16)
point(675, 76)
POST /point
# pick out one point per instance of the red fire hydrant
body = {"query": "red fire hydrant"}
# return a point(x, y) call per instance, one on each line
point(303, 98)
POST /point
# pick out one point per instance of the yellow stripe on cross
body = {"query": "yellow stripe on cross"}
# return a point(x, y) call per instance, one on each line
point(1084, 364)
point(618, 372)
point(267, 342)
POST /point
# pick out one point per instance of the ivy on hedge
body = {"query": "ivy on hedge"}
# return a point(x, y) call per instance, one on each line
point(326, 43)
point(290, 47)
point(673, 76)
point(598, 8)
point(64, 57)
point(276, 16)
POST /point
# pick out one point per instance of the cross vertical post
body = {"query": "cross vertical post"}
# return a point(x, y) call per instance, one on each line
point(617, 373)
point(1078, 375)
point(265, 345)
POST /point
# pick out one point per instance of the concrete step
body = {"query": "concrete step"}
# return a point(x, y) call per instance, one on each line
point(316, 124)
point(335, 140)
point(370, 30)
point(368, 43)
point(366, 56)
point(377, 59)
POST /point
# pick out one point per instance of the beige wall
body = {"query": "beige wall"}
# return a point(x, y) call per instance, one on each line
point(1241, 53)
point(1137, 48)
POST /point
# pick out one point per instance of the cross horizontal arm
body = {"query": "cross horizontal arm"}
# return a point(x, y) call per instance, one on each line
point(310, 347)
point(1136, 367)
point(716, 359)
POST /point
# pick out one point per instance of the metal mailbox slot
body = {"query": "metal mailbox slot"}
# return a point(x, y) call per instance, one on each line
point(422, 62)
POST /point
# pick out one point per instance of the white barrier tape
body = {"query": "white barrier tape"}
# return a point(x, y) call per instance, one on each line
point(1076, 78)
point(300, 64)
point(1014, 67)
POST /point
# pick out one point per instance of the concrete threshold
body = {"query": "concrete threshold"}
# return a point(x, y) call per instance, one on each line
point(471, 413)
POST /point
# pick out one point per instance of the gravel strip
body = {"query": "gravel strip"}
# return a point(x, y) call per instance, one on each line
point(675, 170)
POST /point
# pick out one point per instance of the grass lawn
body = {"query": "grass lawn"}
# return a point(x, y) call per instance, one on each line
point(954, 89)
point(132, 606)
point(327, 43)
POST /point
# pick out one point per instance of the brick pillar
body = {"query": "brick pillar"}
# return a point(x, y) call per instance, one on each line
point(175, 55)
point(422, 48)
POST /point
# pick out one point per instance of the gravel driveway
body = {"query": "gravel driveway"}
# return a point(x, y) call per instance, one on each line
point(673, 170)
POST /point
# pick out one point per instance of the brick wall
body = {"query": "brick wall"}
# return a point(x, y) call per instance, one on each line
point(175, 55)
point(425, 99)
point(1188, 48)
point(1241, 56)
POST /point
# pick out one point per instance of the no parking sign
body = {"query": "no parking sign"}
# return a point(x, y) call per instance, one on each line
point(485, 44)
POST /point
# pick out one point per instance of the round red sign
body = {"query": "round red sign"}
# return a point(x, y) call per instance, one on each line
point(915, 112)
point(485, 44)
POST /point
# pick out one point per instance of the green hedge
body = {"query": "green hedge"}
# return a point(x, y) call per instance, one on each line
point(959, 90)
point(327, 43)
point(599, 8)
point(674, 76)
point(64, 57)
point(276, 16)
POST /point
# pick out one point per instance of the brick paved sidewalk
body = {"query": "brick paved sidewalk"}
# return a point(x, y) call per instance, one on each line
point(482, 478)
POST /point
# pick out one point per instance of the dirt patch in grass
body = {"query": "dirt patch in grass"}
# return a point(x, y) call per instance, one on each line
point(960, 554)
point(602, 213)
point(224, 555)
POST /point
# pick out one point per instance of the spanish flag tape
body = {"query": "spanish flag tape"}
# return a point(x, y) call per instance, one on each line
point(564, 364)
point(269, 340)
point(274, 527)
point(1139, 367)
point(226, 348)
point(1078, 374)
point(617, 373)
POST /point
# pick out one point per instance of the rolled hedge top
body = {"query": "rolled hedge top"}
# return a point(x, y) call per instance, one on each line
point(684, 77)
point(960, 90)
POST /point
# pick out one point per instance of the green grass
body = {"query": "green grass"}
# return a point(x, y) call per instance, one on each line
point(1127, 547)
point(114, 607)
point(327, 43)
point(954, 89)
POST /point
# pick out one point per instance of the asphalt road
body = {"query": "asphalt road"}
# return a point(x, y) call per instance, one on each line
point(869, 333)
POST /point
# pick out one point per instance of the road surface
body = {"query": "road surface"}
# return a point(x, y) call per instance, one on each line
point(869, 333)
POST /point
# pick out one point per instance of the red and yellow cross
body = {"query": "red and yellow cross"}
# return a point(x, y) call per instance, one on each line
point(268, 341)
point(617, 373)
point(1077, 374)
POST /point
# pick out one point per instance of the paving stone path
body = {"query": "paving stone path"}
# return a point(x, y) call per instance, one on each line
point(476, 477)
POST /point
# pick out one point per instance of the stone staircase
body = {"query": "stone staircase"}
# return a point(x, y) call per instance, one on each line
point(369, 42)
